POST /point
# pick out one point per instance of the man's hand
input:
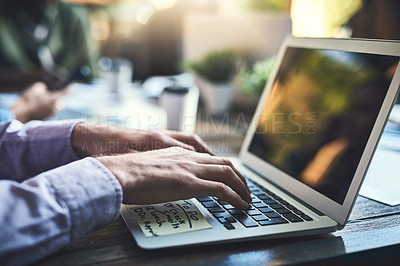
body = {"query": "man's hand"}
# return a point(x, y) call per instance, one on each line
point(36, 103)
point(89, 140)
point(175, 174)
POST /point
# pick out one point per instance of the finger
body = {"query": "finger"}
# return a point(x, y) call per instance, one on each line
point(171, 142)
point(224, 161)
point(191, 139)
point(57, 95)
point(223, 174)
point(39, 86)
point(208, 167)
point(220, 190)
point(207, 159)
point(59, 106)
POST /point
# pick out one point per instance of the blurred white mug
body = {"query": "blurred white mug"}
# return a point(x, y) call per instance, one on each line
point(180, 104)
point(117, 71)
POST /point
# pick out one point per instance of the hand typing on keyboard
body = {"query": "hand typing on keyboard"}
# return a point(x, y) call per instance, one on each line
point(265, 209)
point(175, 174)
point(160, 166)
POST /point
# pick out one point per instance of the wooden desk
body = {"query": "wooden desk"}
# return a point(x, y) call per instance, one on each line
point(372, 236)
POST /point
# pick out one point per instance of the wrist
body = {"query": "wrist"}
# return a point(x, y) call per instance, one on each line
point(79, 140)
point(112, 163)
point(91, 140)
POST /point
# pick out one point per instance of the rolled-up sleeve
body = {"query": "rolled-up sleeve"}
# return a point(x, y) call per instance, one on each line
point(29, 149)
point(49, 211)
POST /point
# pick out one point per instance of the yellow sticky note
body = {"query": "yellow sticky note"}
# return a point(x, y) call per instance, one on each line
point(169, 218)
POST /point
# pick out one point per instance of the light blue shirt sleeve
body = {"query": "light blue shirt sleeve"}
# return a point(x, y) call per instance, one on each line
point(49, 211)
point(43, 213)
point(32, 148)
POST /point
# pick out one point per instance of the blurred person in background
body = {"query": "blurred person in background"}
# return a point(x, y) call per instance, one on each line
point(43, 41)
point(35, 103)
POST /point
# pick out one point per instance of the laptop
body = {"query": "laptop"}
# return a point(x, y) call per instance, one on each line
point(305, 154)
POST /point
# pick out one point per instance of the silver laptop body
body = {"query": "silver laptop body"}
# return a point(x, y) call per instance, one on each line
point(310, 142)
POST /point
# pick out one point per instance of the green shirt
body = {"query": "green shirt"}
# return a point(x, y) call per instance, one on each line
point(68, 39)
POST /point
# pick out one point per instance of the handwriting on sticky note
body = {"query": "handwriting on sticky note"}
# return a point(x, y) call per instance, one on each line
point(169, 218)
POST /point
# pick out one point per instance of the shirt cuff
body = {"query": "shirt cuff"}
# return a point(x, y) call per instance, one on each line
point(51, 142)
point(91, 192)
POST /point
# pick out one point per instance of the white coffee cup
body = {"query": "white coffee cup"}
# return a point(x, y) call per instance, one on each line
point(180, 104)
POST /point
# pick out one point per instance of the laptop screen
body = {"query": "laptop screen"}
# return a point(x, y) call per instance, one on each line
point(319, 114)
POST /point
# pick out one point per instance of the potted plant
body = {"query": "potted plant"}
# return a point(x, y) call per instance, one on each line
point(252, 81)
point(213, 74)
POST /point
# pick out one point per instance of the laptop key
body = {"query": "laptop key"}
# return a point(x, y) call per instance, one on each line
point(219, 214)
point(298, 212)
point(276, 206)
point(283, 211)
point(229, 226)
point(210, 204)
point(292, 218)
point(259, 204)
point(264, 197)
point(277, 197)
point(265, 189)
point(230, 207)
point(260, 218)
point(306, 217)
point(272, 215)
point(222, 202)
point(216, 209)
point(283, 202)
point(235, 211)
point(223, 220)
point(255, 199)
point(266, 209)
point(204, 198)
point(272, 206)
point(269, 201)
point(230, 219)
point(291, 207)
point(251, 207)
point(273, 221)
point(253, 212)
point(246, 220)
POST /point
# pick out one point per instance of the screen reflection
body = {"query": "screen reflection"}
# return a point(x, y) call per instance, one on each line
point(319, 114)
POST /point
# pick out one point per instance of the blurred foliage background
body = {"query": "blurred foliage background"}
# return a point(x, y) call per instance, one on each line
point(149, 32)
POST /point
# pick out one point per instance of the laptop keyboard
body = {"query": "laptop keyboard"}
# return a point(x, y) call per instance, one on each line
point(266, 209)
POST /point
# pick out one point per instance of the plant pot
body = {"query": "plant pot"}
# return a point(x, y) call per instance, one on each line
point(217, 97)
